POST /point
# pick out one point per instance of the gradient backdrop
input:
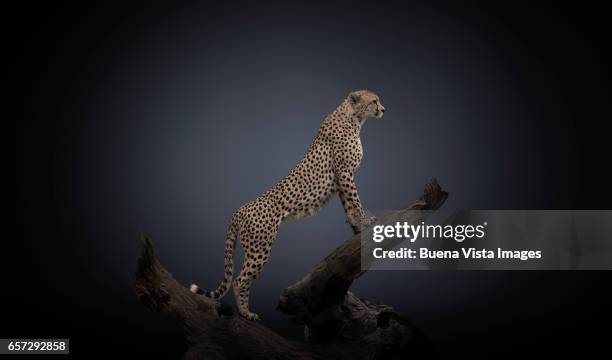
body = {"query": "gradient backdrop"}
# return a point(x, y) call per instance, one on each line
point(165, 118)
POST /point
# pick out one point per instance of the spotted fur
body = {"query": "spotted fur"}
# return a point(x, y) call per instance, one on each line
point(327, 168)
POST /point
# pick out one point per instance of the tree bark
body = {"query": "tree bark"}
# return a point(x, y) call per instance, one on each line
point(319, 300)
point(337, 323)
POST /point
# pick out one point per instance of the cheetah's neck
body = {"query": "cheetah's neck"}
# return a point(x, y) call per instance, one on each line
point(345, 113)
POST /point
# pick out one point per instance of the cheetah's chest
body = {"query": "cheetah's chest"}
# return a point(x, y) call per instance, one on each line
point(358, 152)
point(352, 152)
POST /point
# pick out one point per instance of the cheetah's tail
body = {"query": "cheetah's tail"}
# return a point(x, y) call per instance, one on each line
point(230, 244)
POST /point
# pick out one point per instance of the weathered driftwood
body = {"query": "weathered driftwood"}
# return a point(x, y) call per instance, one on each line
point(319, 300)
point(338, 323)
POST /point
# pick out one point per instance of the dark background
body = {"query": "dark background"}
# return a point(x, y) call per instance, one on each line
point(165, 118)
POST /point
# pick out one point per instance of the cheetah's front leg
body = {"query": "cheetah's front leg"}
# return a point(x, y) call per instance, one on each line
point(347, 190)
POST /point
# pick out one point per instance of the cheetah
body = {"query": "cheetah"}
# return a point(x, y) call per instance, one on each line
point(327, 168)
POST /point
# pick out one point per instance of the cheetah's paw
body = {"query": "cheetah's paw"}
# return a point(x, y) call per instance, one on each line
point(250, 316)
point(367, 221)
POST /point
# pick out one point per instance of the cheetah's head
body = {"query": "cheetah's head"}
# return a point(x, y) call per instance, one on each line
point(366, 104)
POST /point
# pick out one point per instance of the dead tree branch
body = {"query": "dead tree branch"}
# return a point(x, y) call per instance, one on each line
point(338, 323)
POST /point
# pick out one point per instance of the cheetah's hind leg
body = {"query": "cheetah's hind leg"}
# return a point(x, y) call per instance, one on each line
point(242, 288)
point(256, 255)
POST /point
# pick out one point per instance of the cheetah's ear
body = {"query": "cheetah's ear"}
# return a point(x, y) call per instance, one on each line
point(354, 97)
